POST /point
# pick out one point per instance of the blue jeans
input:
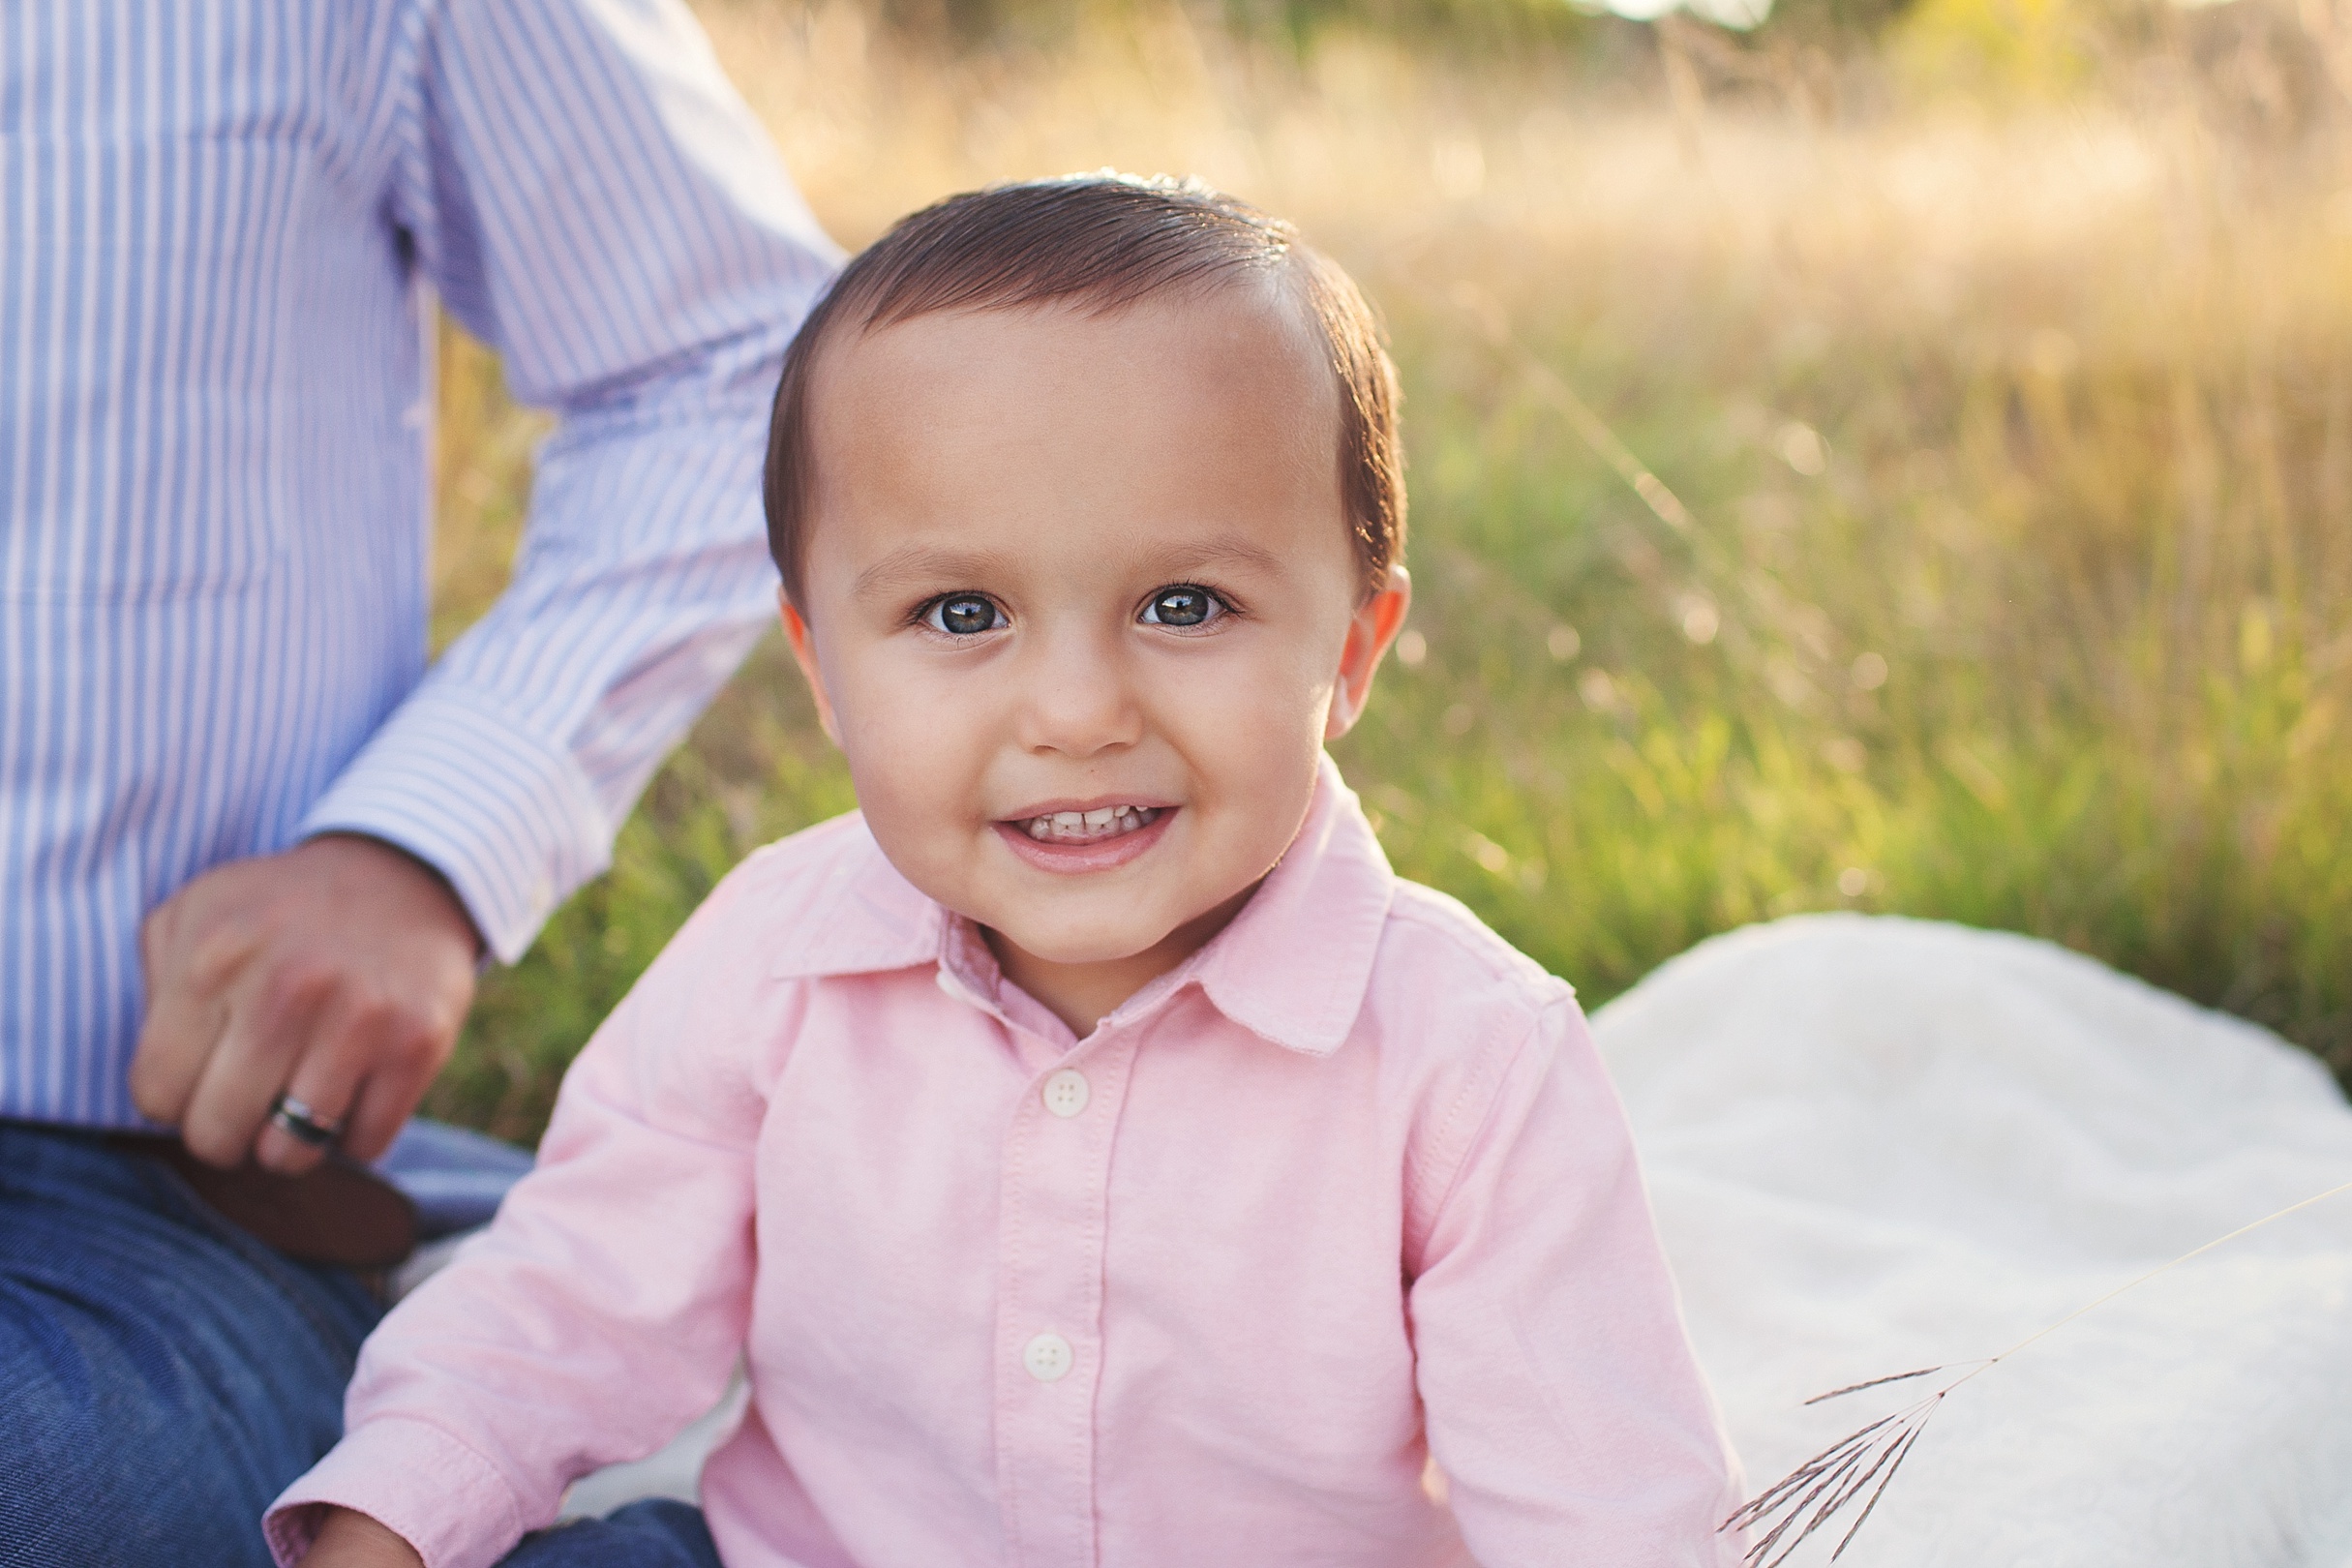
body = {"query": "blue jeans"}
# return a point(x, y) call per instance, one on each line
point(162, 1375)
point(655, 1534)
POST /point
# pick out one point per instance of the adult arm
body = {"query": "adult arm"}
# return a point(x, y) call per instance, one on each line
point(1563, 1404)
point(592, 199)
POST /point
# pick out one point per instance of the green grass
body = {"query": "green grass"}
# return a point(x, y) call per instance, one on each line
point(2011, 580)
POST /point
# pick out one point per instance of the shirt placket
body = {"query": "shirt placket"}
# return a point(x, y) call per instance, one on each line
point(1049, 1306)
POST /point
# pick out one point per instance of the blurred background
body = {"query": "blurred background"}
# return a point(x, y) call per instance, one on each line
point(1864, 454)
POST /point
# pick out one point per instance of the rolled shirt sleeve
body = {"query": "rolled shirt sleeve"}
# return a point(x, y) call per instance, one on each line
point(592, 198)
point(1562, 1401)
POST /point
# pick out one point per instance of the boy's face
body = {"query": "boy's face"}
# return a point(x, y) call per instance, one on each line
point(1081, 607)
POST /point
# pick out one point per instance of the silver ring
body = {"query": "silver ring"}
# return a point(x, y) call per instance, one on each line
point(296, 1120)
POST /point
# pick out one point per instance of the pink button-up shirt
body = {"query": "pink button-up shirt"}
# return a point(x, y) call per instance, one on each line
point(1347, 1192)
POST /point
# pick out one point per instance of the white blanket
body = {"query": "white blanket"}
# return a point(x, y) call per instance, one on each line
point(1879, 1144)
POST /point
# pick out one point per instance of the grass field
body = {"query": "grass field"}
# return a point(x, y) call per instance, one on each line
point(1892, 484)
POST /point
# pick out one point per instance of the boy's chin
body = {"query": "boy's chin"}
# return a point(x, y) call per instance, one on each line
point(1111, 932)
point(1155, 932)
point(1089, 946)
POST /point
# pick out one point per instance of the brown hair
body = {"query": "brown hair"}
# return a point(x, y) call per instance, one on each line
point(1106, 241)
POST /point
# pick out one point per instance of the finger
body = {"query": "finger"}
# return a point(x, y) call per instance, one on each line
point(345, 1044)
point(325, 1083)
point(175, 1041)
point(270, 1022)
point(187, 1013)
point(386, 1100)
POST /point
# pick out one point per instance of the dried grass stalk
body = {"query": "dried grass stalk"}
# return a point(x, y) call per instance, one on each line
point(1799, 1503)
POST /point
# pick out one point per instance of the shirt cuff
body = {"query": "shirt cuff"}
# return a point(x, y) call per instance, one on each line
point(424, 1486)
point(513, 823)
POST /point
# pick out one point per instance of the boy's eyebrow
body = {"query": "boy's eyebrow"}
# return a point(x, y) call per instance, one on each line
point(927, 563)
point(934, 563)
point(1232, 550)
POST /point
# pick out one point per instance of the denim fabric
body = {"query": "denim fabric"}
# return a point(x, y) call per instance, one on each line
point(162, 1375)
point(658, 1533)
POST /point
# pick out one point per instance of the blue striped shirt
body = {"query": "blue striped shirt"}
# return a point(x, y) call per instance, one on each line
point(218, 223)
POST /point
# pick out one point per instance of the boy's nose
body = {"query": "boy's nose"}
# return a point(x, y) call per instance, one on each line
point(1077, 699)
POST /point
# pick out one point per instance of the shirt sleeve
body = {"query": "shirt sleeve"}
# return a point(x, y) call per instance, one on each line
point(1563, 1405)
point(605, 1308)
point(592, 199)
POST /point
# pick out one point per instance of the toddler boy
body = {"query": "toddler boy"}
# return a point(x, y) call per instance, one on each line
point(1095, 1153)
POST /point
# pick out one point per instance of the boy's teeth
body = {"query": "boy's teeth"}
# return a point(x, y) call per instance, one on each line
point(1085, 827)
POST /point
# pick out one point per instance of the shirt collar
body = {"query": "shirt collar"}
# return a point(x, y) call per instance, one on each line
point(861, 917)
point(1291, 968)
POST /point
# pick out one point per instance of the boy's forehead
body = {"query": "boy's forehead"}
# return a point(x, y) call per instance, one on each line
point(1159, 421)
point(1240, 338)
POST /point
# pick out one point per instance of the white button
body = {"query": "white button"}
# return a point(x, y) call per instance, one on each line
point(1067, 1092)
point(1047, 1357)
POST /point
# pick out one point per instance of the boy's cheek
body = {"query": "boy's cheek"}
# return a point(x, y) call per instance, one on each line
point(1280, 683)
point(894, 713)
point(1280, 704)
point(929, 847)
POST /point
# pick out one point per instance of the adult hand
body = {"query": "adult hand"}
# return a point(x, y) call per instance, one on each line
point(349, 1540)
point(337, 972)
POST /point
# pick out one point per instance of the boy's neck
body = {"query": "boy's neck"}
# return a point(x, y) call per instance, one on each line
point(1083, 994)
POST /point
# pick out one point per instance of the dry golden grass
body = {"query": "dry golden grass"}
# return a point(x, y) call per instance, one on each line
point(2005, 440)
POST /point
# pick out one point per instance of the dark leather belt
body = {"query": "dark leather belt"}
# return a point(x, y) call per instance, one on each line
point(339, 1212)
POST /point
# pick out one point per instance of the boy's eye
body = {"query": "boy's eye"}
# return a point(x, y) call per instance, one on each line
point(964, 615)
point(1181, 606)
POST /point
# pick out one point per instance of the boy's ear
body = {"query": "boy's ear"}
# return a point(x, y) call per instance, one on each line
point(1375, 625)
point(804, 654)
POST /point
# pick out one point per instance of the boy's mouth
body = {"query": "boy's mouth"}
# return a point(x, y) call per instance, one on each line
point(1088, 826)
point(1087, 838)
